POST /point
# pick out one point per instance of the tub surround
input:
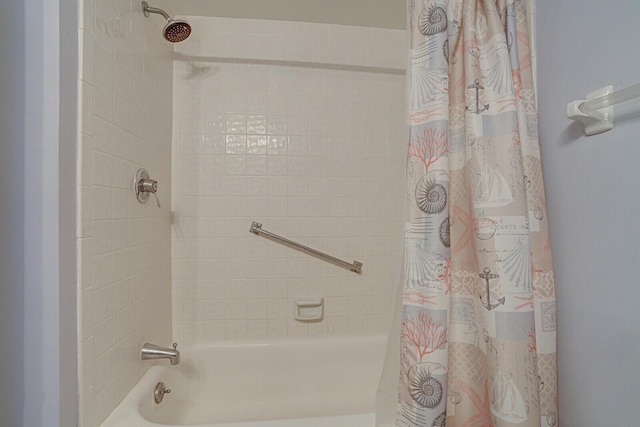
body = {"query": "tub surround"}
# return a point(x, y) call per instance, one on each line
point(276, 122)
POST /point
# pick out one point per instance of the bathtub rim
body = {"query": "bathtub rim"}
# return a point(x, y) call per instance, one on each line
point(133, 414)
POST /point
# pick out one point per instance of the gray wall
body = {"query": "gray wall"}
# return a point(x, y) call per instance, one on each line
point(12, 85)
point(593, 191)
point(37, 213)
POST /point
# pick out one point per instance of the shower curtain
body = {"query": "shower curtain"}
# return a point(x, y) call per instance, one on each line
point(478, 326)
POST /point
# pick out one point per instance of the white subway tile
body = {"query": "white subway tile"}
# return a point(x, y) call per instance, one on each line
point(277, 308)
point(277, 206)
point(276, 186)
point(257, 144)
point(236, 164)
point(122, 325)
point(277, 145)
point(85, 212)
point(102, 233)
point(214, 122)
point(104, 68)
point(236, 330)
point(257, 329)
point(337, 325)
point(87, 108)
point(236, 144)
point(103, 102)
point(102, 169)
point(276, 328)
point(296, 329)
point(86, 310)
point(102, 338)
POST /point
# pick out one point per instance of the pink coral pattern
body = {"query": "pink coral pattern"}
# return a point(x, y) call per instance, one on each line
point(478, 337)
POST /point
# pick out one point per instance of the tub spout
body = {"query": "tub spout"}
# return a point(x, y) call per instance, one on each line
point(152, 351)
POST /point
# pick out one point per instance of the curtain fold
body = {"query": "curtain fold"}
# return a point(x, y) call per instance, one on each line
point(478, 329)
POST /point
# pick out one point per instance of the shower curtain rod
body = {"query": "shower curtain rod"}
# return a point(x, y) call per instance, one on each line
point(287, 63)
point(256, 228)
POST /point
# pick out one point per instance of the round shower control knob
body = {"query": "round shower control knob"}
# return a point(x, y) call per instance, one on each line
point(148, 185)
point(143, 186)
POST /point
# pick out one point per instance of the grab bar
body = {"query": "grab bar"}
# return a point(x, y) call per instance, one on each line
point(256, 228)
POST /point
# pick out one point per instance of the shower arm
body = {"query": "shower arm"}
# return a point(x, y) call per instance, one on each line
point(146, 9)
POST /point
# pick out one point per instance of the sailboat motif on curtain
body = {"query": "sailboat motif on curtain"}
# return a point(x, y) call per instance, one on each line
point(492, 189)
point(506, 401)
point(478, 330)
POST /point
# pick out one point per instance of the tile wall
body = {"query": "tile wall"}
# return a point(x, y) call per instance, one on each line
point(275, 122)
point(124, 287)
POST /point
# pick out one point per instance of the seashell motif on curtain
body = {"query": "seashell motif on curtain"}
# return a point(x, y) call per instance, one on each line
point(498, 75)
point(432, 20)
point(427, 85)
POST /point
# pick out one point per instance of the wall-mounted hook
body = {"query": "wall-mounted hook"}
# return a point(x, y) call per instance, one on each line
point(142, 185)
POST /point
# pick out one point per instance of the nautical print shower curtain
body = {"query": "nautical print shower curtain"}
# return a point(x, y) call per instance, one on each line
point(478, 334)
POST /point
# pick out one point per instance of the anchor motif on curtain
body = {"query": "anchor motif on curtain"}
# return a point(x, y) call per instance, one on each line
point(486, 301)
point(479, 109)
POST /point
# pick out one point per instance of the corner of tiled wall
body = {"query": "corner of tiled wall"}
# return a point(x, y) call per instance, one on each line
point(285, 129)
point(124, 286)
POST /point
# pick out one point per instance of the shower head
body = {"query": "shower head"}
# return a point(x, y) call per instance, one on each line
point(176, 30)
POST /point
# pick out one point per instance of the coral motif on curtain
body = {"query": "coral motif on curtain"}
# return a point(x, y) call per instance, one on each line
point(478, 335)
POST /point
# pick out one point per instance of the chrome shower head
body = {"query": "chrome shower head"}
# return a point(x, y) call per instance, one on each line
point(176, 30)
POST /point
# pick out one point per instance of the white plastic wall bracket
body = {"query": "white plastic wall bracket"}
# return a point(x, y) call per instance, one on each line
point(597, 121)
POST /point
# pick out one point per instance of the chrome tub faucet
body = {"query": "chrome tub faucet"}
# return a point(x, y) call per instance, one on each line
point(152, 351)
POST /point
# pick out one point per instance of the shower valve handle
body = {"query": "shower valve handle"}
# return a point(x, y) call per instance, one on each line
point(150, 186)
point(144, 186)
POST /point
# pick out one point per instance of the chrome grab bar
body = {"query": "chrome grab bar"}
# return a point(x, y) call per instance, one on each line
point(256, 228)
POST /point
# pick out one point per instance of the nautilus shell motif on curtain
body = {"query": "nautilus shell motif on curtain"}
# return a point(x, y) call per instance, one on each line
point(445, 232)
point(445, 50)
point(425, 390)
point(431, 196)
point(432, 20)
point(478, 321)
point(440, 421)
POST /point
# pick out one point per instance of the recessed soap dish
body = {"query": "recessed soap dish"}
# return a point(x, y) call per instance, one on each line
point(309, 309)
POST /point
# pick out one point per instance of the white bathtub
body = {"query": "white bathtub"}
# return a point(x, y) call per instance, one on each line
point(303, 383)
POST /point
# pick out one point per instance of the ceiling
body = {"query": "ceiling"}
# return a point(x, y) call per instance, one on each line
point(365, 13)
